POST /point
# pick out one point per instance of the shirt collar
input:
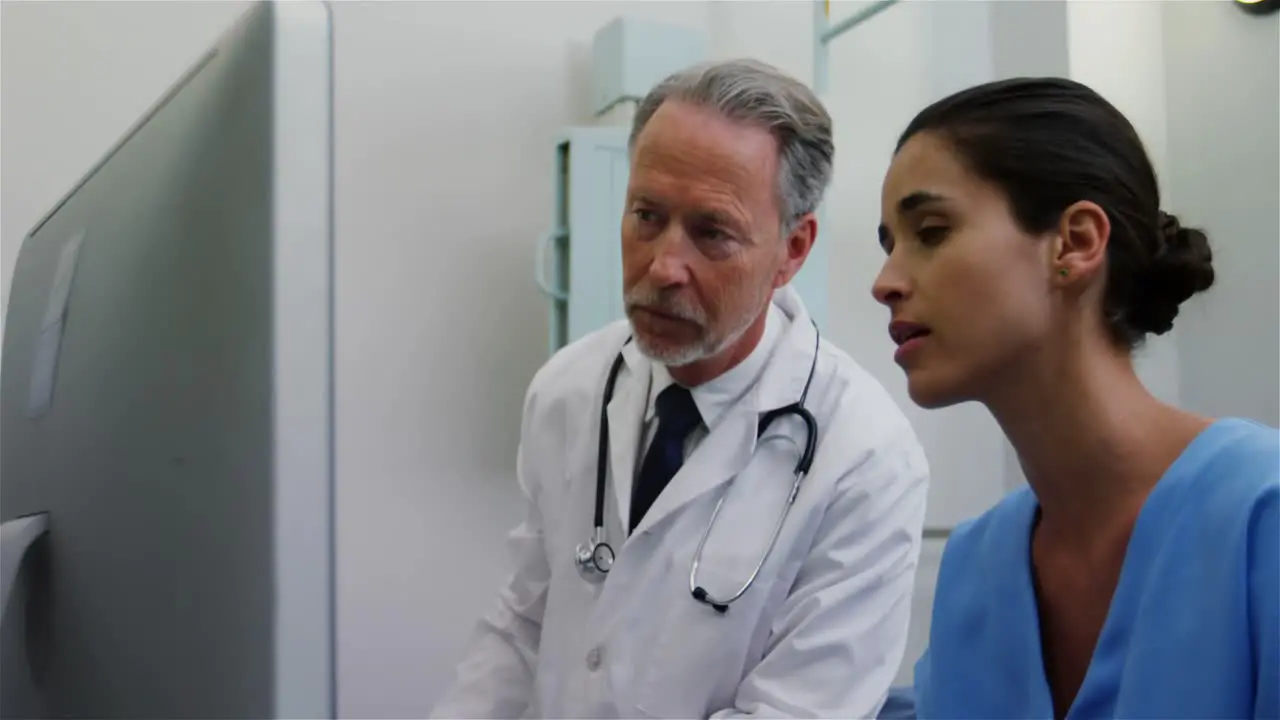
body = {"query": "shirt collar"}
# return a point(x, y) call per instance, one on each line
point(716, 396)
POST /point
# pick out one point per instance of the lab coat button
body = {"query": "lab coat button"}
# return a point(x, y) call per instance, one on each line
point(593, 659)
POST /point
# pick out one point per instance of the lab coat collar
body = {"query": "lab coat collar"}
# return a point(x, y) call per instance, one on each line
point(787, 372)
point(730, 444)
point(717, 396)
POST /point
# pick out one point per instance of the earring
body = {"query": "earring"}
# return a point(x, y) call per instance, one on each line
point(1063, 272)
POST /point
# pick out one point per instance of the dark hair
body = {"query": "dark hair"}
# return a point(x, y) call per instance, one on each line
point(1049, 143)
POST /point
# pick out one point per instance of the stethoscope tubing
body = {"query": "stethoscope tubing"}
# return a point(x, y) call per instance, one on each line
point(588, 557)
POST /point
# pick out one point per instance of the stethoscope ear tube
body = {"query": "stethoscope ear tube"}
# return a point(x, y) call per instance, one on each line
point(810, 434)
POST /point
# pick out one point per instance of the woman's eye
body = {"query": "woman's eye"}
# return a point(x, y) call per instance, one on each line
point(644, 216)
point(933, 234)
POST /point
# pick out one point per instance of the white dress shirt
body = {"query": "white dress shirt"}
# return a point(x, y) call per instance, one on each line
point(717, 395)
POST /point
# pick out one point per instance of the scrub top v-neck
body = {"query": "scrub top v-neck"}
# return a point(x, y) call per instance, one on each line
point(1193, 629)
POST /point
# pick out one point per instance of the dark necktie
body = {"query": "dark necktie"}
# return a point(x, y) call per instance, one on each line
point(677, 417)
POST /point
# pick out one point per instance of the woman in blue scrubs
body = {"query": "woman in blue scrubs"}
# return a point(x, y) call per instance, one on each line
point(1138, 576)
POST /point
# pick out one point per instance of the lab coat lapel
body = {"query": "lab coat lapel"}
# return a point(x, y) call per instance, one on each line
point(784, 378)
point(728, 448)
point(626, 416)
point(717, 459)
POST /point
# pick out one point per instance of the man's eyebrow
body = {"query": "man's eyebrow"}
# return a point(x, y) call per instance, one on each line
point(715, 217)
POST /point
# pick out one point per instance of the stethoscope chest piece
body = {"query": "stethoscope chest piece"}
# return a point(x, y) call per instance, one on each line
point(594, 558)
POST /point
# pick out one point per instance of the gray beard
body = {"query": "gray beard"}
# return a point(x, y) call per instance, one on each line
point(708, 347)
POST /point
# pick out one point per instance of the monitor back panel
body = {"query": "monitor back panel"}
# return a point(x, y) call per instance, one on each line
point(146, 430)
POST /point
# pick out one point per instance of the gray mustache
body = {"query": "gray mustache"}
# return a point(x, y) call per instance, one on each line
point(673, 305)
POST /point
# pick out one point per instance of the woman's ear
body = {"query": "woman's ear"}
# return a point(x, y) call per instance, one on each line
point(1080, 250)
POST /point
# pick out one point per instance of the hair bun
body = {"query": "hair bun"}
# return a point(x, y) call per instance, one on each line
point(1181, 267)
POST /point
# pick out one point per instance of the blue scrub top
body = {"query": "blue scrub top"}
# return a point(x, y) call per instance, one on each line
point(1193, 630)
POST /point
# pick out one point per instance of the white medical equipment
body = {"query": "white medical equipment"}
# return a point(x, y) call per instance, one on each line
point(166, 404)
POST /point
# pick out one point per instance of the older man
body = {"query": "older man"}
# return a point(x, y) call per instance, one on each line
point(675, 559)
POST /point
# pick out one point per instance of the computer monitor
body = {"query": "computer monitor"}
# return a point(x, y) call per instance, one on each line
point(167, 400)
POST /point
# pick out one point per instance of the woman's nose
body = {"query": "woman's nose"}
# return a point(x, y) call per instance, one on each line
point(890, 286)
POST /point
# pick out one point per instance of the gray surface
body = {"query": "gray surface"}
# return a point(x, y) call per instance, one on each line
point(17, 536)
point(158, 459)
point(1223, 99)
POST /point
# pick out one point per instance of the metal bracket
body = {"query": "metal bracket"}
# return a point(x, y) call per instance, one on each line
point(824, 32)
point(936, 533)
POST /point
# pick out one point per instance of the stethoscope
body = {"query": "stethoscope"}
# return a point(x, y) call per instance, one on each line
point(595, 557)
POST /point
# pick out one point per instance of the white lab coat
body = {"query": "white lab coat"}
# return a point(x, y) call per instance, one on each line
point(821, 632)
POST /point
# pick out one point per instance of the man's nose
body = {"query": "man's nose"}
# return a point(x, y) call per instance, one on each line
point(669, 266)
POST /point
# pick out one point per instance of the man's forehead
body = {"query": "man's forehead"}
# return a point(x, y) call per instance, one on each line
point(704, 130)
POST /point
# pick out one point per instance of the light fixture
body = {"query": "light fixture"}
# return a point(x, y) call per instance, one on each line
point(1258, 7)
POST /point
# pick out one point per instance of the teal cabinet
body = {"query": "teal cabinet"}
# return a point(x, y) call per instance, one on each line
point(579, 266)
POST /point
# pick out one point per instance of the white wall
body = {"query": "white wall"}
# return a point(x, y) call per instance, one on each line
point(1117, 48)
point(1198, 80)
point(445, 118)
point(75, 76)
point(1226, 177)
point(445, 113)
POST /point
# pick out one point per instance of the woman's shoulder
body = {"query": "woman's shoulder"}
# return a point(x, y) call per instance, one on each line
point(1234, 529)
point(1247, 451)
point(994, 546)
point(1239, 485)
point(989, 535)
point(1230, 475)
point(1232, 471)
point(1239, 444)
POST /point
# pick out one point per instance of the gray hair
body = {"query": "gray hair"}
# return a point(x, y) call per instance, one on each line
point(752, 92)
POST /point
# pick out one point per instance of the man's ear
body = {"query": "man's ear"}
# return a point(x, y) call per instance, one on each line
point(1080, 250)
point(798, 244)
